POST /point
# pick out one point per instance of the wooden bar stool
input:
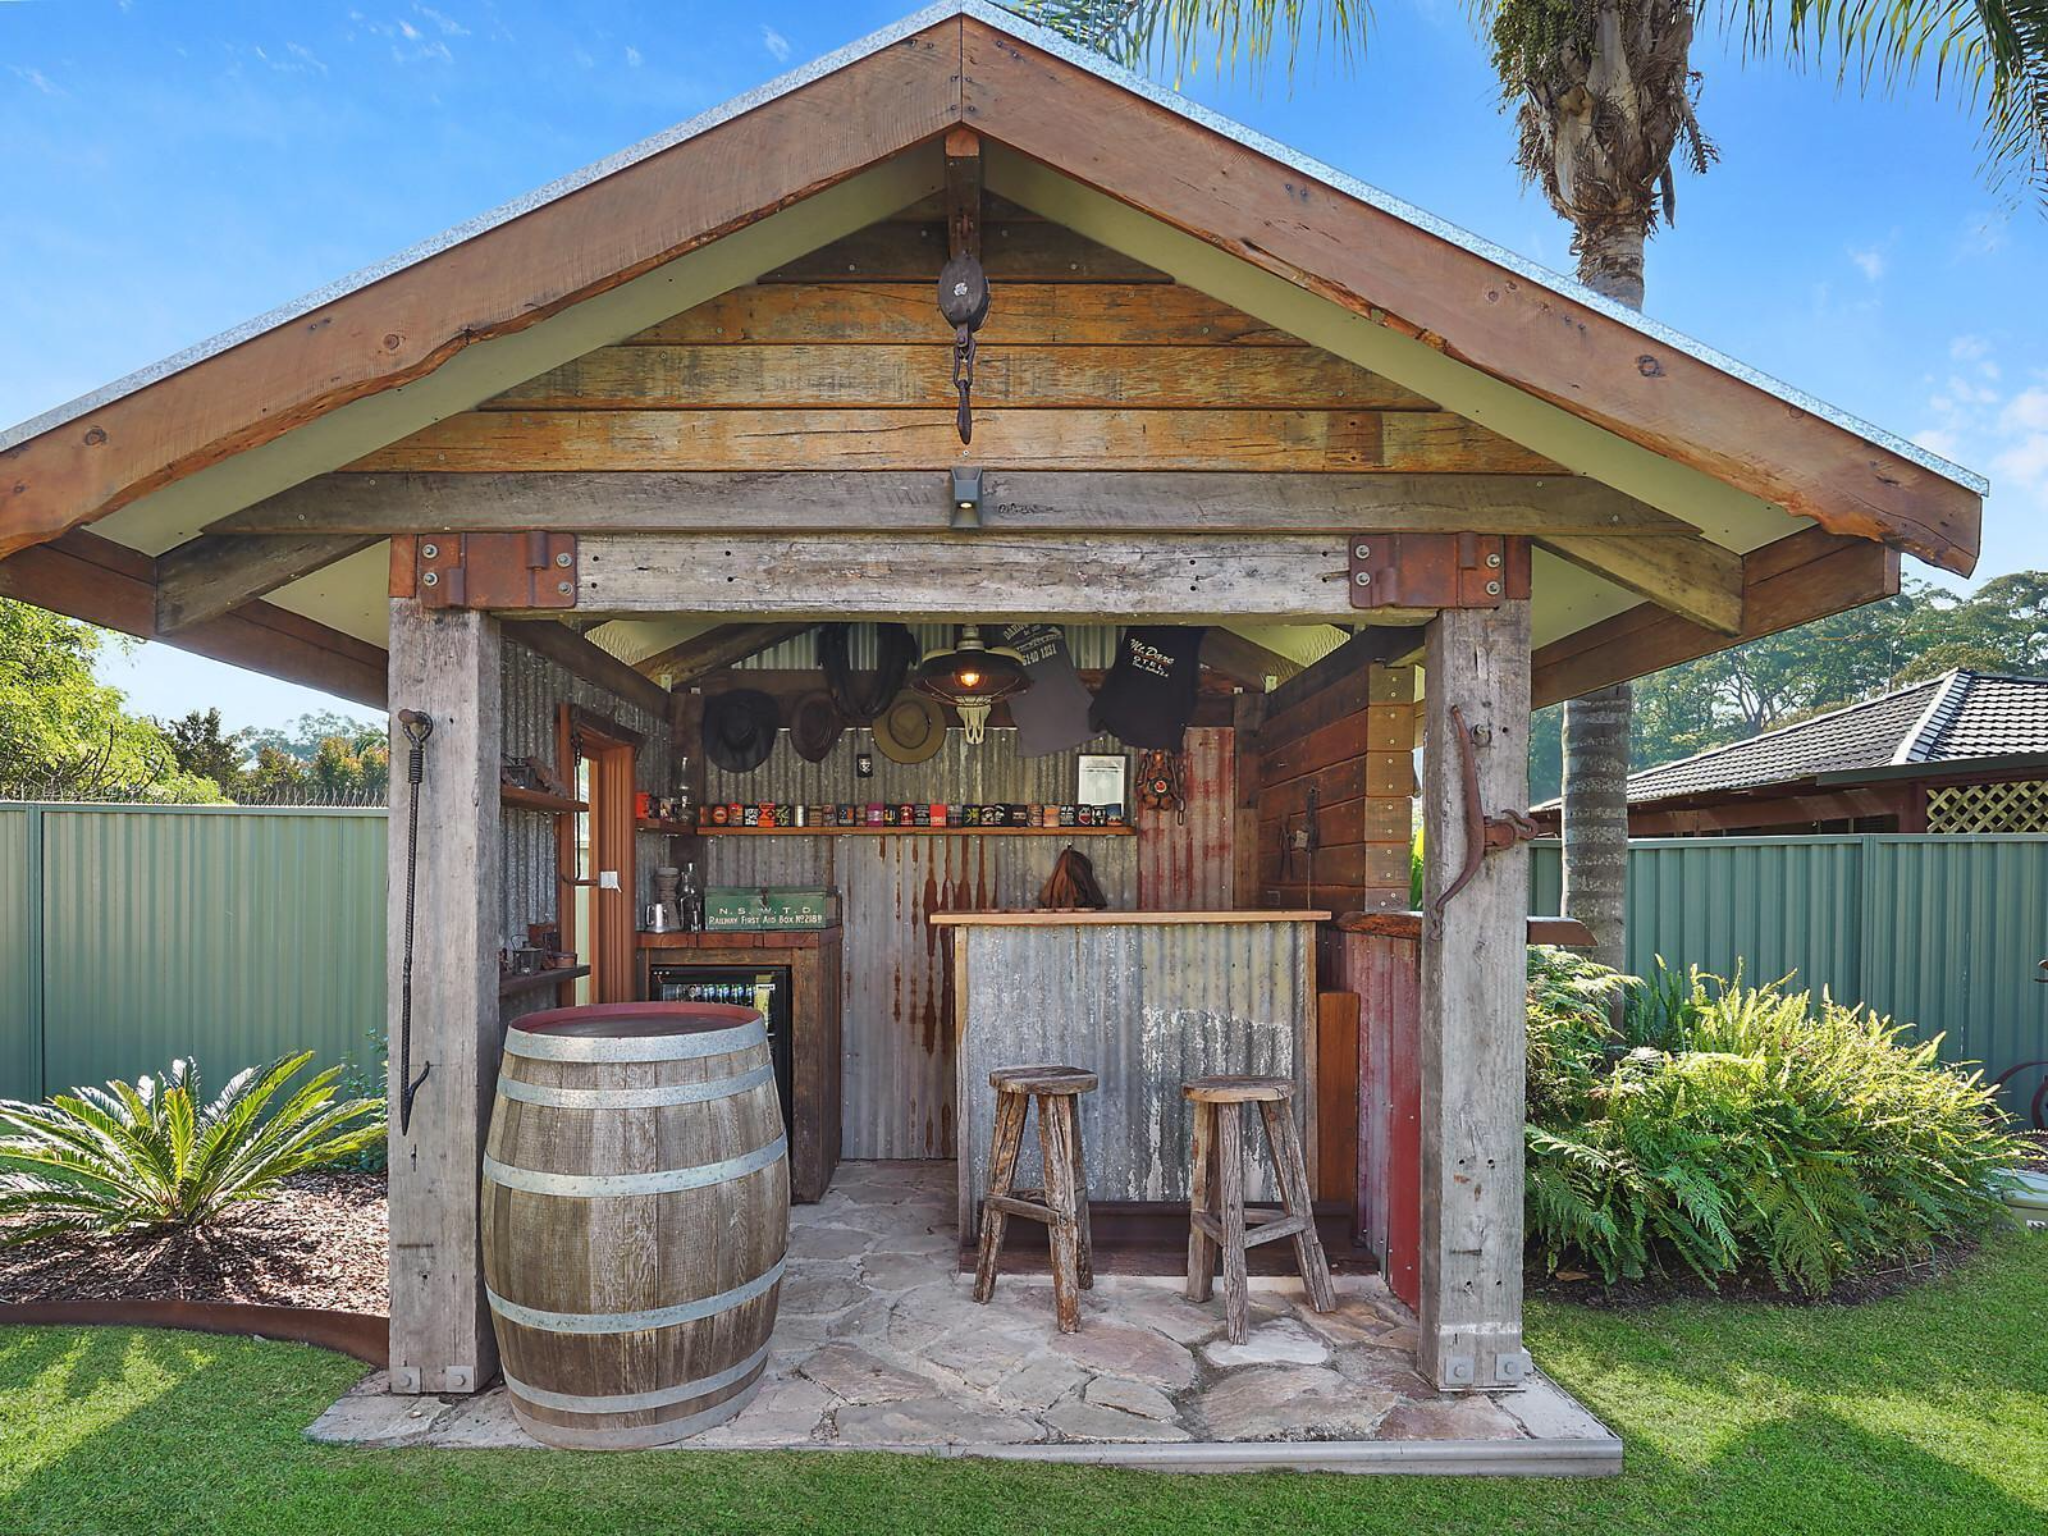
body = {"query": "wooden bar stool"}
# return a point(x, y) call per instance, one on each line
point(1217, 1217)
point(1063, 1204)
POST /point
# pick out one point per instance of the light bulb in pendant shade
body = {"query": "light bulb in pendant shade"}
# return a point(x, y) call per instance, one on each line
point(969, 679)
point(971, 673)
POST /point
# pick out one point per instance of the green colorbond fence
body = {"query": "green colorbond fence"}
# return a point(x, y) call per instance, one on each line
point(1943, 933)
point(133, 934)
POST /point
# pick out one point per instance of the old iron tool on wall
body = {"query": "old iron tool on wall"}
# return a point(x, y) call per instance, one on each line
point(1484, 834)
point(963, 300)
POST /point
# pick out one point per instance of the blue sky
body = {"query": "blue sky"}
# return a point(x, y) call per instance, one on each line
point(172, 169)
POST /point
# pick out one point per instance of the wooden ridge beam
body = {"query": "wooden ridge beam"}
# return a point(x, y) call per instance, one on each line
point(1695, 578)
point(1794, 580)
point(594, 664)
point(217, 573)
point(87, 577)
point(1042, 501)
point(726, 645)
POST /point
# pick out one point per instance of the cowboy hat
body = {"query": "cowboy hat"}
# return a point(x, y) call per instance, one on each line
point(911, 729)
point(814, 726)
point(739, 729)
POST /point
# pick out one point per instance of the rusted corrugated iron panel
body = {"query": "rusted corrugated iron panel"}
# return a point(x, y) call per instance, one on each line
point(896, 1028)
point(1185, 858)
point(1146, 1006)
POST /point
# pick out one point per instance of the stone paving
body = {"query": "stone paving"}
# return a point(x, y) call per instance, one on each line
point(879, 1346)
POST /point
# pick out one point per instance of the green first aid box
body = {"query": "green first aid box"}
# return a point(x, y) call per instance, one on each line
point(733, 908)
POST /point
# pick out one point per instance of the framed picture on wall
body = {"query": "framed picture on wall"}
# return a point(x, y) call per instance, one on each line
point(1103, 778)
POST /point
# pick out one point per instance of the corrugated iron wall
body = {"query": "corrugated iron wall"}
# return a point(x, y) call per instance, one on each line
point(1943, 933)
point(897, 1031)
point(134, 934)
point(1185, 858)
point(1158, 1004)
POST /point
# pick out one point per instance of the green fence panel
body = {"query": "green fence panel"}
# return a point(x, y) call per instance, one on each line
point(21, 1024)
point(1945, 934)
point(233, 935)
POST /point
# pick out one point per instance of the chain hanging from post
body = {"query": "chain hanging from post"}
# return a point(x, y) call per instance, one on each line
point(417, 728)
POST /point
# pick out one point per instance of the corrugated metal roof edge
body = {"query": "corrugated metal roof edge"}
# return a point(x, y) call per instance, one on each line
point(1080, 58)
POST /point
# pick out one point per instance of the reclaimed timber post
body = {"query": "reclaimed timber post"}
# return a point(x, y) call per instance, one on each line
point(1473, 1022)
point(444, 664)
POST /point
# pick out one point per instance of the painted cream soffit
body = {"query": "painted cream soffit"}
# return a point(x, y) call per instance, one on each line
point(182, 509)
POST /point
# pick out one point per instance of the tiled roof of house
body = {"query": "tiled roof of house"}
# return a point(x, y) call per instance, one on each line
point(1954, 718)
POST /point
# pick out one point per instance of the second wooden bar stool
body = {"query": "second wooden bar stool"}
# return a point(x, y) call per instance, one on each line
point(1217, 1217)
point(1063, 1204)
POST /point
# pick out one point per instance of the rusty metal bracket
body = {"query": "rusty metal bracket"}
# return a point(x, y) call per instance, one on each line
point(1436, 570)
point(1484, 834)
point(497, 570)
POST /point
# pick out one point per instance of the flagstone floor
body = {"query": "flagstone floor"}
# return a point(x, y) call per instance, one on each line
point(878, 1346)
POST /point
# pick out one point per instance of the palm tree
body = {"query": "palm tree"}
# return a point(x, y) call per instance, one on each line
point(1603, 93)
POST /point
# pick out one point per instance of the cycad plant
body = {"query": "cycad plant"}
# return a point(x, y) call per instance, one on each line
point(157, 1156)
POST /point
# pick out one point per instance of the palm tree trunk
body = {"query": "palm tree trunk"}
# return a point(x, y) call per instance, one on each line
point(1596, 725)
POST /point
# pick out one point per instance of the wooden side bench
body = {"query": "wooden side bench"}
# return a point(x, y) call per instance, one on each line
point(1063, 1204)
point(1217, 1219)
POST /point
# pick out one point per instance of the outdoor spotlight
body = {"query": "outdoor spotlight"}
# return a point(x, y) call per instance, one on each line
point(966, 511)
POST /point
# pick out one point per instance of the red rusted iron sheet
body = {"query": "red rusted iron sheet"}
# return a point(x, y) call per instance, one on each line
point(365, 1335)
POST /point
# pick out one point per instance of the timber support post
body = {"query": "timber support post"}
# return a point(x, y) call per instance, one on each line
point(1474, 980)
point(445, 665)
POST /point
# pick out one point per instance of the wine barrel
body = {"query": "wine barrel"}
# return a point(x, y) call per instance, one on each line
point(635, 1218)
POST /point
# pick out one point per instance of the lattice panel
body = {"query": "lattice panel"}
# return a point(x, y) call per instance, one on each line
point(2018, 806)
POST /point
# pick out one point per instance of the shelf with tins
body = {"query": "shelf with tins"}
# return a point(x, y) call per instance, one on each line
point(900, 831)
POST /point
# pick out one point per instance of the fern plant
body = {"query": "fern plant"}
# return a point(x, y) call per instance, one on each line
point(1761, 1131)
point(158, 1156)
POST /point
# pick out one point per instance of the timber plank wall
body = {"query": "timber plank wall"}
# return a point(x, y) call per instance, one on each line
point(1088, 361)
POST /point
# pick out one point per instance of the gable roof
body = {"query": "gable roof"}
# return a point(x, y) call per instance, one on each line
point(402, 323)
point(1960, 717)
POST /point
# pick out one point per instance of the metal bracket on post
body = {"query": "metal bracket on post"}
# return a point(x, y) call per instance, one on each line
point(497, 570)
point(1436, 570)
point(1484, 834)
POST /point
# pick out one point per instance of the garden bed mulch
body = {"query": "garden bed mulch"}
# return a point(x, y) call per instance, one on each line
point(317, 1244)
point(1872, 1283)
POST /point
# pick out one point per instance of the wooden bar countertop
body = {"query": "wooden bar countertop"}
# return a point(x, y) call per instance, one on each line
point(1044, 919)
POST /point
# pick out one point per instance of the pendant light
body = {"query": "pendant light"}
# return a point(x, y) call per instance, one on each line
point(971, 675)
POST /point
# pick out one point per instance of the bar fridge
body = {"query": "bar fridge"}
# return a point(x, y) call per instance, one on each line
point(764, 988)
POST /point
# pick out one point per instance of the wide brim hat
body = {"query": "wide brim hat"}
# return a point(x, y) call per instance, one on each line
point(911, 729)
point(739, 729)
point(814, 726)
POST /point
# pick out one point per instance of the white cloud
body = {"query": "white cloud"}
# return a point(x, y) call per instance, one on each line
point(448, 25)
point(776, 44)
point(38, 79)
point(632, 56)
point(1869, 261)
point(1969, 349)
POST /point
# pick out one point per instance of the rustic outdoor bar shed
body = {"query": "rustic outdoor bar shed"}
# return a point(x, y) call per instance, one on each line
point(557, 478)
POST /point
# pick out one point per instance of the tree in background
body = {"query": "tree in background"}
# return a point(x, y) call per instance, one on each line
point(64, 735)
point(324, 757)
point(203, 748)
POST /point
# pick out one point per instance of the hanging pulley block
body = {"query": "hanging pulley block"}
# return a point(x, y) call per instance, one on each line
point(963, 301)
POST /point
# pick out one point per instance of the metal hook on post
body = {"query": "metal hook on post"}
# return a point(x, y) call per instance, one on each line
point(1484, 834)
point(417, 727)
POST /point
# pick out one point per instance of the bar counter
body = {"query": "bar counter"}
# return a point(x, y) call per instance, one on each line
point(1146, 1000)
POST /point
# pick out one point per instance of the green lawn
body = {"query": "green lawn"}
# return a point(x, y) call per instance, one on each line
point(1924, 1413)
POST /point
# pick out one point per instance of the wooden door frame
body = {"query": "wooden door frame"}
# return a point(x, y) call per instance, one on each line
point(613, 751)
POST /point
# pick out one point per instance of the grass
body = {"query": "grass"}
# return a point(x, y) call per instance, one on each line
point(1923, 1413)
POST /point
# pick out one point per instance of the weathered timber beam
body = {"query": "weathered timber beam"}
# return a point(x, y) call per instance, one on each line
point(595, 665)
point(1695, 578)
point(1100, 578)
point(1245, 661)
point(726, 645)
point(1794, 580)
point(87, 577)
point(1380, 645)
point(1036, 501)
point(217, 573)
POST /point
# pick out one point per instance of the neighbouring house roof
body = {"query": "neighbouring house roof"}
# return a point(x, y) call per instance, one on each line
point(1960, 717)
